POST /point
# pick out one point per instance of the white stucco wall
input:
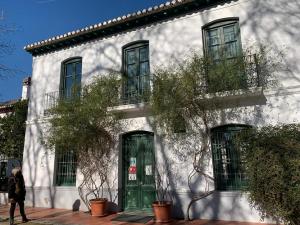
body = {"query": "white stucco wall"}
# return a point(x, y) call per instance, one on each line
point(275, 23)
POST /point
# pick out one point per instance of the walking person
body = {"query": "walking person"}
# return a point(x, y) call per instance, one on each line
point(16, 194)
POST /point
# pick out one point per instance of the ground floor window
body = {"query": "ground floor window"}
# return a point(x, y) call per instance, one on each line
point(66, 164)
point(227, 163)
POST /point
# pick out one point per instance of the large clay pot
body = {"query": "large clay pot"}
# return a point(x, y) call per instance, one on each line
point(162, 211)
point(98, 207)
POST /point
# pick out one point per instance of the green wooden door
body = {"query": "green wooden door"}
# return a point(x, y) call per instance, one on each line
point(139, 183)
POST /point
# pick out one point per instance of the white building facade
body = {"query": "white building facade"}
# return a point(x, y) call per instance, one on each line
point(136, 44)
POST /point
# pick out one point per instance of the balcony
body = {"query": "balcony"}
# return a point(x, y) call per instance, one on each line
point(232, 75)
point(135, 91)
point(50, 101)
point(239, 81)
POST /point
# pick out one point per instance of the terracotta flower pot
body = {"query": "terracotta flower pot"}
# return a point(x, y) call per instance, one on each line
point(98, 207)
point(162, 211)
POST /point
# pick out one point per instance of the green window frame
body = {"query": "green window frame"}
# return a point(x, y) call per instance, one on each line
point(227, 164)
point(223, 50)
point(222, 39)
point(136, 70)
point(66, 166)
point(71, 78)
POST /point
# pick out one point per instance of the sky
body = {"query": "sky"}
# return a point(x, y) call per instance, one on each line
point(30, 21)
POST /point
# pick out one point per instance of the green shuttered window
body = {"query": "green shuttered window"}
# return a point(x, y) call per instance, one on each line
point(222, 47)
point(227, 164)
point(136, 72)
point(71, 78)
point(222, 40)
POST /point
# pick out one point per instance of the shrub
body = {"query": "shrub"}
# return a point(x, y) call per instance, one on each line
point(272, 156)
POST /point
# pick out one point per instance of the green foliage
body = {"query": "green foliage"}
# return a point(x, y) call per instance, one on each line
point(12, 131)
point(189, 89)
point(195, 91)
point(85, 124)
point(272, 156)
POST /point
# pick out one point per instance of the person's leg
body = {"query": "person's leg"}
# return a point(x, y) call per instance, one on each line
point(22, 211)
point(12, 212)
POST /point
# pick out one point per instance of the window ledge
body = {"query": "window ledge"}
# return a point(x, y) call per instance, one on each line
point(234, 94)
point(65, 188)
point(130, 108)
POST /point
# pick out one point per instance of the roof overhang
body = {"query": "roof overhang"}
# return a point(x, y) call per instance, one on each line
point(120, 24)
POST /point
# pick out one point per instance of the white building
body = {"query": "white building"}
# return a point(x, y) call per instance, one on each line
point(157, 36)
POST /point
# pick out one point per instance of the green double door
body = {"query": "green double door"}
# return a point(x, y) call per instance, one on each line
point(138, 167)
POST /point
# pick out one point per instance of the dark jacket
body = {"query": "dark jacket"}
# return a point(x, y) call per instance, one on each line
point(16, 187)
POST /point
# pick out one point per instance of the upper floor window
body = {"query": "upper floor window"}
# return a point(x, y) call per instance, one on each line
point(71, 78)
point(227, 163)
point(222, 40)
point(136, 71)
point(222, 47)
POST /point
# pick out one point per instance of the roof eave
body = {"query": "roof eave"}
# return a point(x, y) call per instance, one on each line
point(131, 21)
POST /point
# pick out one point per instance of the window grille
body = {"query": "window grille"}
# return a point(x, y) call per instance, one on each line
point(227, 163)
point(66, 164)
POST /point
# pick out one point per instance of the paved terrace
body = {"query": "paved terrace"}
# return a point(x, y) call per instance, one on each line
point(66, 217)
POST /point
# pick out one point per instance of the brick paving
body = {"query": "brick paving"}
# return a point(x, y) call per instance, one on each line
point(67, 217)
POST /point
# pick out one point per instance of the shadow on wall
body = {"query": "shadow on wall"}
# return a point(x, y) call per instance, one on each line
point(259, 114)
point(276, 23)
point(258, 12)
point(34, 150)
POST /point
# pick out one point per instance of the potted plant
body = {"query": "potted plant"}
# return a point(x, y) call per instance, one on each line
point(98, 207)
point(94, 166)
point(162, 207)
point(83, 122)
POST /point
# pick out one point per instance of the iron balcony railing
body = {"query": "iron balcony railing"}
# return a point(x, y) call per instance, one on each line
point(136, 89)
point(232, 74)
point(253, 72)
point(51, 99)
point(133, 91)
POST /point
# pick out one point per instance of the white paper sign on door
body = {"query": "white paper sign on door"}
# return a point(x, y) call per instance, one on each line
point(132, 176)
point(148, 170)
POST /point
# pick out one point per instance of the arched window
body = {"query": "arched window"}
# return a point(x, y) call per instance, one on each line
point(223, 50)
point(66, 162)
point(222, 39)
point(227, 163)
point(136, 70)
point(71, 77)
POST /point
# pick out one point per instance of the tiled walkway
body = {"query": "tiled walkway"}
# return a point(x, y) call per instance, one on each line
point(67, 217)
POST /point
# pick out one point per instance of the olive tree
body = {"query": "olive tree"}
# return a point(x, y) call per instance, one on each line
point(191, 93)
point(84, 123)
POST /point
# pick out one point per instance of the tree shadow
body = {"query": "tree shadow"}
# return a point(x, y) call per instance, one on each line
point(175, 154)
